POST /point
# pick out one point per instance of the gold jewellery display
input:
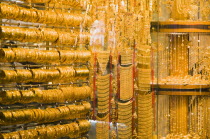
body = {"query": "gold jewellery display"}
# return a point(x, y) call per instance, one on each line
point(126, 83)
point(44, 16)
point(71, 3)
point(102, 85)
point(144, 127)
point(125, 116)
point(45, 44)
point(72, 130)
point(12, 117)
point(102, 127)
point(63, 94)
point(144, 56)
point(144, 71)
point(42, 35)
point(144, 79)
point(126, 57)
point(43, 56)
point(145, 116)
point(191, 9)
point(188, 79)
point(103, 59)
point(43, 75)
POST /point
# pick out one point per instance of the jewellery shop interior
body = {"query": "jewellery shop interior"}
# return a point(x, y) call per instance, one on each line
point(105, 69)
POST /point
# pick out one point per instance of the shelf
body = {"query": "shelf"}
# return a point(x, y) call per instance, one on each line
point(183, 93)
point(181, 26)
point(182, 86)
point(181, 89)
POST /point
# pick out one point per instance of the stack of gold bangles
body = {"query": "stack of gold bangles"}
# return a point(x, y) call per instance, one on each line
point(72, 130)
point(126, 57)
point(43, 34)
point(144, 115)
point(144, 56)
point(43, 16)
point(43, 75)
point(84, 125)
point(102, 84)
point(125, 120)
point(102, 127)
point(45, 96)
point(126, 83)
point(144, 78)
point(124, 131)
point(43, 56)
point(12, 117)
point(82, 72)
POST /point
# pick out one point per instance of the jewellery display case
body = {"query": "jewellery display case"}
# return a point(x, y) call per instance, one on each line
point(180, 40)
point(100, 69)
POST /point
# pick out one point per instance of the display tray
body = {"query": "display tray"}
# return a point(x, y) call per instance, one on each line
point(180, 26)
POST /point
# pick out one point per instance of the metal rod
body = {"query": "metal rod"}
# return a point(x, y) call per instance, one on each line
point(31, 45)
point(39, 6)
point(32, 66)
point(39, 85)
point(37, 124)
point(38, 25)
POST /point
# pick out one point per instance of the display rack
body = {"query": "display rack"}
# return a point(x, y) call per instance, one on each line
point(180, 37)
point(49, 119)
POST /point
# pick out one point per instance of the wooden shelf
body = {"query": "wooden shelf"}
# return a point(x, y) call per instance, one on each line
point(183, 93)
point(181, 26)
point(181, 86)
point(182, 89)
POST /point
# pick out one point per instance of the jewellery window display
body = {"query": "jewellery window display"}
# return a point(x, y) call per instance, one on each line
point(144, 95)
point(44, 72)
point(125, 94)
point(122, 27)
point(182, 68)
point(110, 107)
point(102, 96)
